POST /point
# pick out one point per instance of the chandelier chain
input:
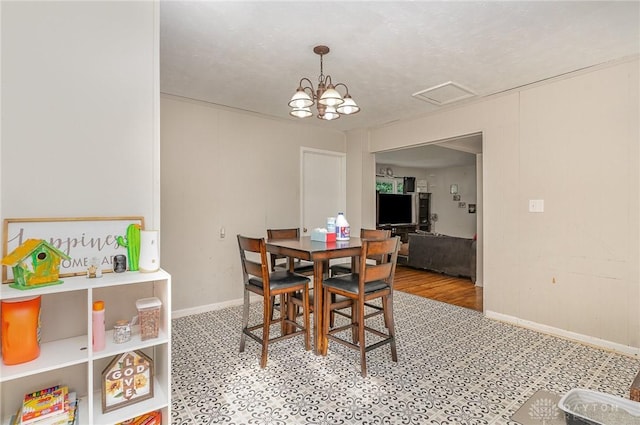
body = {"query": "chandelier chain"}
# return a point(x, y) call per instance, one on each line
point(321, 77)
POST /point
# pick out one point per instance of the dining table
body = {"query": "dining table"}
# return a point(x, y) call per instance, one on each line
point(319, 253)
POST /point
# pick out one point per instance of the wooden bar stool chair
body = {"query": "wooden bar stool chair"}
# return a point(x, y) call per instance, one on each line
point(345, 268)
point(299, 266)
point(259, 280)
point(373, 281)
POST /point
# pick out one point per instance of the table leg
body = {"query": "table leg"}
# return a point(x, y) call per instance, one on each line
point(319, 341)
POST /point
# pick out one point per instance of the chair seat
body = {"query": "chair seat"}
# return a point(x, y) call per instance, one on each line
point(281, 279)
point(343, 268)
point(349, 283)
point(298, 266)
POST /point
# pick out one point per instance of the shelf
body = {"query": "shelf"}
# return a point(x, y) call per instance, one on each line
point(81, 283)
point(53, 355)
point(112, 349)
point(159, 401)
point(126, 278)
point(68, 359)
point(69, 284)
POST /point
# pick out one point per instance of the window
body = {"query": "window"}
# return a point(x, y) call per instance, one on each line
point(390, 184)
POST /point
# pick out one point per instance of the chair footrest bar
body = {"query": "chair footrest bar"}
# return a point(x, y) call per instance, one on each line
point(341, 328)
point(343, 342)
point(378, 344)
point(376, 332)
point(342, 313)
point(375, 313)
point(275, 339)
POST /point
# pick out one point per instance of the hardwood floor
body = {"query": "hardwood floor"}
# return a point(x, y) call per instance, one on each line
point(453, 290)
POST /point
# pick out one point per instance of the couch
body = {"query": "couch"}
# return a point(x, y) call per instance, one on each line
point(450, 255)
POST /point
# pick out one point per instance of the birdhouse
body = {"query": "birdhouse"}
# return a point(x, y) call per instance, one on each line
point(35, 263)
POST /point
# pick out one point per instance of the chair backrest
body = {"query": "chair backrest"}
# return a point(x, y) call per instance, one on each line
point(280, 234)
point(375, 234)
point(251, 267)
point(385, 268)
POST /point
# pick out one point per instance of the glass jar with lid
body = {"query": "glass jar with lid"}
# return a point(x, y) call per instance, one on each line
point(121, 332)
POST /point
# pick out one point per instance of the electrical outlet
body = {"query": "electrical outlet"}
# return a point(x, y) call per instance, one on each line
point(222, 233)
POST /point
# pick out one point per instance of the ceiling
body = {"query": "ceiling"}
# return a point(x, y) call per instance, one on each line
point(252, 55)
point(449, 153)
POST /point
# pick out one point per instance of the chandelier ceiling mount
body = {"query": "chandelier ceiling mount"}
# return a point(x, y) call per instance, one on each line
point(329, 102)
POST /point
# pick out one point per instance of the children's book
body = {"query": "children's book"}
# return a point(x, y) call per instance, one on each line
point(73, 408)
point(43, 404)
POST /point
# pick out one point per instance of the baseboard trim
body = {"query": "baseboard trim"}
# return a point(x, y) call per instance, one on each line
point(175, 314)
point(586, 339)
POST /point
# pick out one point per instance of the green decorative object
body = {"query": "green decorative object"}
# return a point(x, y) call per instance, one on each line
point(35, 263)
point(132, 243)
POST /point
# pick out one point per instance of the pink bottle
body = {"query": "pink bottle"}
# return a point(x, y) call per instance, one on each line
point(98, 325)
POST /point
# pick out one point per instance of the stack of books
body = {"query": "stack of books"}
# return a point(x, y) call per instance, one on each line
point(49, 406)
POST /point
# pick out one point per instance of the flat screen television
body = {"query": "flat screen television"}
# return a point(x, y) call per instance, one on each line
point(394, 208)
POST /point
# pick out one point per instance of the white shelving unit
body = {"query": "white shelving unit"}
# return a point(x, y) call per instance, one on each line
point(66, 356)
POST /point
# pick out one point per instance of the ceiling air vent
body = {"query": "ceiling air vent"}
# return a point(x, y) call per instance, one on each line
point(444, 93)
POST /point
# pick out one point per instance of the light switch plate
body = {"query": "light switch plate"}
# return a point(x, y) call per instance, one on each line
point(536, 205)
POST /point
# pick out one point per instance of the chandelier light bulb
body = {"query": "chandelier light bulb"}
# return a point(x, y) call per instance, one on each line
point(330, 113)
point(301, 112)
point(348, 107)
point(331, 97)
point(300, 99)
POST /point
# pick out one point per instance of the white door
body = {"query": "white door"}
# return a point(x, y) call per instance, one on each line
point(323, 186)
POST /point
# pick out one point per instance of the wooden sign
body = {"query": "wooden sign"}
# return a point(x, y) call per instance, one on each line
point(126, 380)
point(82, 238)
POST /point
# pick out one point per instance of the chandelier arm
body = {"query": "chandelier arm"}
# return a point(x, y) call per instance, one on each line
point(343, 85)
point(308, 81)
point(327, 80)
point(310, 92)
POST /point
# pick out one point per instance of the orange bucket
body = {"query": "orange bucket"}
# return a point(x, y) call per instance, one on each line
point(20, 330)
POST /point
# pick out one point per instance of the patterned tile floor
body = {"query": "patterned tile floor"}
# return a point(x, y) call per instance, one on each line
point(455, 367)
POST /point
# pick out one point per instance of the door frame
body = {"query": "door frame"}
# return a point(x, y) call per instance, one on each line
point(342, 156)
point(480, 189)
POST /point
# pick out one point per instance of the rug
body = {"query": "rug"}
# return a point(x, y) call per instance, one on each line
point(540, 409)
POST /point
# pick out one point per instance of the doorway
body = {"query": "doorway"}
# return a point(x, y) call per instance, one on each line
point(456, 198)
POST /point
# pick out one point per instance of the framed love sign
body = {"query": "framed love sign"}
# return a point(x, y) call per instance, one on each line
point(127, 379)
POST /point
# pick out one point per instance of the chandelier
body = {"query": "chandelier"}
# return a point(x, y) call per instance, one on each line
point(329, 102)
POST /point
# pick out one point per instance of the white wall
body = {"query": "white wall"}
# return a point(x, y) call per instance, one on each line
point(360, 182)
point(225, 169)
point(574, 143)
point(80, 135)
point(452, 220)
point(79, 109)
